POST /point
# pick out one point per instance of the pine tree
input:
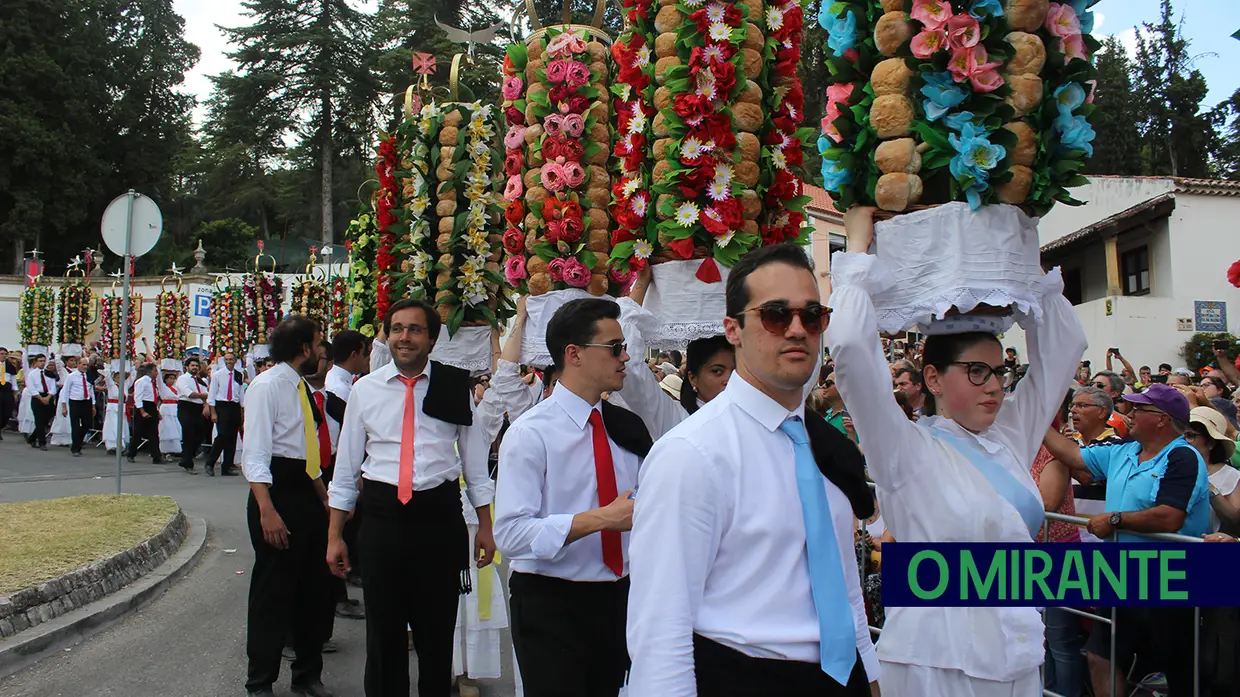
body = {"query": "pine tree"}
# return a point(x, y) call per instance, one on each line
point(311, 60)
point(1118, 142)
point(1227, 158)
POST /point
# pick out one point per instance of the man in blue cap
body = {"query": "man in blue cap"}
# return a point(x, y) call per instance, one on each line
point(1155, 483)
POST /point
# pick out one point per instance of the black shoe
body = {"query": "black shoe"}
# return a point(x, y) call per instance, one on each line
point(43, 448)
point(230, 472)
point(313, 690)
point(350, 610)
point(129, 459)
point(210, 471)
point(288, 654)
point(330, 646)
point(77, 453)
point(265, 692)
point(189, 470)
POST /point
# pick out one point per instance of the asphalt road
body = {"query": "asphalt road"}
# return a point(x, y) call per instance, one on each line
point(191, 641)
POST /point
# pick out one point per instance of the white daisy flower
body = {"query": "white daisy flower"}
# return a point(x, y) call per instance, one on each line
point(782, 219)
point(642, 58)
point(779, 159)
point(715, 12)
point(724, 173)
point(774, 18)
point(625, 92)
point(691, 148)
point(637, 124)
point(642, 249)
point(687, 213)
point(714, 53)
point(630, 187)
point(719, 31)
point(718, 191)
point(694, 3)
point(639, 202)
point(725, 238)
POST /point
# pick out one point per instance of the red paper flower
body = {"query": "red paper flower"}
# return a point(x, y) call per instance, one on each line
point(1233, 274)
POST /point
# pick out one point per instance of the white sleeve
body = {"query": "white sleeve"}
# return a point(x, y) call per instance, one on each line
point(641, 392)
point(510, 390)
point(890, 440)
point(256, 460)
point(677, 524)
point(519, 531)
point(212, 388)
point(475, 452)
point(380, 355)
point(1054, 350)
point(350, 453)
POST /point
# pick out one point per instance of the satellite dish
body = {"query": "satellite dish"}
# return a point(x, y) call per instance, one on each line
point(145, 225)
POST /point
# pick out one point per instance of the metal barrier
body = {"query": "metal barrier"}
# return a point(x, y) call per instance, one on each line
point(1081, 521)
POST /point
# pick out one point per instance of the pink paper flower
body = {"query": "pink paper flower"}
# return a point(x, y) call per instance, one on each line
point(574, 174)
point(555, 269)
point(623, 278)
point(556, 71)
point(514, 188)
point(1073, 47)
point(575, 273)
point(1062, 22)
point(840, 92)
point(963, 31)
point(512, 88)
point(553, 125)
point(1093, 88)
point(933, 14)
point(565, 44)
point(829, 129)
point(970, 64)
point(514, 138)
point(578, 74)
point(928, 42)
point(574, 125)
point(514, 270)
point(552, 175)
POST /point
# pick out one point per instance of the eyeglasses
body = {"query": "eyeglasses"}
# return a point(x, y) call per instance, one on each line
point(777, 317)
point(1101, 385)
point(1080, 405)
point(980, 373)
point(1148, 410)
point(616, 349)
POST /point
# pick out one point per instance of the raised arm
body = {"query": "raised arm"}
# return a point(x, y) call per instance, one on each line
point(1228, 367)
point(1068, 453)
point(641, 392)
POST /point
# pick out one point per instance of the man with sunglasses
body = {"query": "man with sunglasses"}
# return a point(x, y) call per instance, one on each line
point(563, 510)
point(745, 577)
point(1156, 483)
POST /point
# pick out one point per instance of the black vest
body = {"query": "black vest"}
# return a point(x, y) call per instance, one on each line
point(840, 462)
point(626, 429)
point(448, 395)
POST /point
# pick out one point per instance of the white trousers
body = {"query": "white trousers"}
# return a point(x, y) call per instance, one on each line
point(904, 680)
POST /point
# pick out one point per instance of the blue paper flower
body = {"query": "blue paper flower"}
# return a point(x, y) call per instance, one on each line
point(1070, 96)
point(957, 121)
point(975, 157)
point(981, 8)
point(1083, 15)
point(841, 31)
point(835, 175)
point(942, 93)
point(1075, 133)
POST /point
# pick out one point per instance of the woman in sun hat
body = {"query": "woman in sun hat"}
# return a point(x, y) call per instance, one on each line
point(1207, 430)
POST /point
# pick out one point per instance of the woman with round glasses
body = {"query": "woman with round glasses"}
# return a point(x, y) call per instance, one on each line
point(960, 474)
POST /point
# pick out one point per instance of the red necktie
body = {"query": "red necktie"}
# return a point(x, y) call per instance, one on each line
point(605, 473)
point(325, 437)
point(85, 392)
point(404, 482)
point(230, 382)
point(43, 377)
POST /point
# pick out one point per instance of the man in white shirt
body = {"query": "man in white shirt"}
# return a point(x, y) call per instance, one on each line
point(351, 354)
point(8, 389)
point(81, 402)
point(402, 433)
point(745, 578)
point(569, 465)
point(146, 416)
point(43, 389)
point(224, 400)
point(191, 411)
point(287, 516)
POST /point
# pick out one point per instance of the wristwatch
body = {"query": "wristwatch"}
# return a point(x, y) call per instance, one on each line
point(1116, 519)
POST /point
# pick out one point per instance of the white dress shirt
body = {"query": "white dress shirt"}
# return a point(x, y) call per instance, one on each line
point(274, 421)
point(339, 382)
point(218, 391)
point(548, 461)
point(370, 443)
point(929, 492)
point(187, 385)
point(167, 395)
point(37, 382)
point(719, 546)
point(78, 387)
point(144, 392)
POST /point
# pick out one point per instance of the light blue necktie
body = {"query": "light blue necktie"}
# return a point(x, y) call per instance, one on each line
point(837, 647)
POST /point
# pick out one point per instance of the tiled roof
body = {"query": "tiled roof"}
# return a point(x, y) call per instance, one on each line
point(1187, 185)
point(1157, 207)
point(821, 201)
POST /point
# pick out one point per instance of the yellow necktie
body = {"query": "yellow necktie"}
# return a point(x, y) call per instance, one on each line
point(313, 462)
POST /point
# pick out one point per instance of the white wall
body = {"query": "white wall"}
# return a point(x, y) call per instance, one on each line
point(1104, 197)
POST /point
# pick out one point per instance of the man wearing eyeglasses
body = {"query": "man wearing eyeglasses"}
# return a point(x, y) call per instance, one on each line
point(1111, 383)
point(563, 510)
point(745, 577)
point(1156, 483)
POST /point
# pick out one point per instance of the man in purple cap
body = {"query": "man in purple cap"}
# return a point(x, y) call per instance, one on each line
point(1156, 483)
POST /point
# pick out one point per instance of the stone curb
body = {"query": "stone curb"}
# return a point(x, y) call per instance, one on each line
point(69, 629)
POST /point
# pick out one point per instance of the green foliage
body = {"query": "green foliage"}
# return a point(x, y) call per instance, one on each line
point(1117, 145)
point(1198, 352)
point(230, 241)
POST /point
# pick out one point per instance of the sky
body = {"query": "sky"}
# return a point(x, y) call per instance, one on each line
point(1208, 24)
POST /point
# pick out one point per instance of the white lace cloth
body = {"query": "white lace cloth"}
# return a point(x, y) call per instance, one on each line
point(35, 350)
point(689, 309)
point(468, 349)
point(951, 256)
point(171, 364)
point(70, 349)
point(540, 309)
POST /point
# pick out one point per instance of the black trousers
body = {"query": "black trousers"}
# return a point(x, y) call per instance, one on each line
point(189, 415)
point(569, 635)
point(289, 587)
point(722, 671)
point(415, 555)
point(145, 428)
point(43, 416)
point(8, 404)
point(81, 413)
point(228, 422)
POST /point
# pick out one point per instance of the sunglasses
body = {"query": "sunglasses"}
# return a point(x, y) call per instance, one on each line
point(615, 349)
point(980, 373)
point(777, 317)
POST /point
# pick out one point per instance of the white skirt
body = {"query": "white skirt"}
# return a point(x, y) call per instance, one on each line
point(169, 429)
point(476, 643)
point(25, 415)
point(109, 428)
point(62, 432)
point(905, 680)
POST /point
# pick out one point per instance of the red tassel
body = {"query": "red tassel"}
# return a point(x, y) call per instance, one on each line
point(708, 272)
